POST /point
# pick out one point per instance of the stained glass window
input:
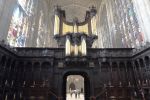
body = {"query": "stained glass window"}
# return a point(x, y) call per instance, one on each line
point(15, 26)
point(126, 22)
point(143, 16)
point(22, 3)
point(18, 28)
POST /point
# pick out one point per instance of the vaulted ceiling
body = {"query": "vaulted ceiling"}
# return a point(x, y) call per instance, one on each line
point(74, 8)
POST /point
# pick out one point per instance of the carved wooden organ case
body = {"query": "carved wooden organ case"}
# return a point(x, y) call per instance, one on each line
point(75, 36)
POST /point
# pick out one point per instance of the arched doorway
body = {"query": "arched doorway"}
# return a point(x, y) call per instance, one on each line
point(76, 86)
point(71, 86)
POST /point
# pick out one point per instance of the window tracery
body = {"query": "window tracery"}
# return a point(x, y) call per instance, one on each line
point(125, 29)
point(19, 24)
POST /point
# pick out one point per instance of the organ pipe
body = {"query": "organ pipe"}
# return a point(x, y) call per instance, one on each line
point(83, 29)
point(76, 50)
point(83, 47)
point(75, 29)
point(68, 46)
point(56, 25)
point(67, 29)
point(93, 25)
point(80, 49)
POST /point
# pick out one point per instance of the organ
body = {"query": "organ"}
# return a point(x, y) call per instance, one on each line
point(75, 36)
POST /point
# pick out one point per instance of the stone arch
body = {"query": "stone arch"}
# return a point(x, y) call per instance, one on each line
point(46, 73)
point(37, 74)
point(36, 65)
point(147, 61)
point(138, 71)
point(122, 71)
point(12, 70)
point(141, 62)
point(115, 73)
point(130, 72)
point(13, 64)
point(28, 66)
point(114, 65)
point(7, 71)
point(20, 66)
point(20, 73)
point(3, 60)
point(45, 65)
point(8, 63)
point(28, 74)
point(105, 66)
point(86, 83)
point(136, 64)
point(129, 65)
point(72, 86)
point(105, 70)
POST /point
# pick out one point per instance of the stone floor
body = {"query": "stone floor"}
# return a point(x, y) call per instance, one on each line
point(74, 98)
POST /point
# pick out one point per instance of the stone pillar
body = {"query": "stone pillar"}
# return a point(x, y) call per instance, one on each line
point(110, 22)
point(36, 24)
point(5, 17)
point(135, 73)
point(146, 68)
point(141, 80)
point(118, 71)
point(40, 15)
point(140, 71)
point(33, 25)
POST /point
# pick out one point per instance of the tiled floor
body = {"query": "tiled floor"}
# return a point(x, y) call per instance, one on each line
point(74, 98)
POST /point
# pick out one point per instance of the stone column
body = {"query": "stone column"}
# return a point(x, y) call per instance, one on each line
point(140, 71)
point(36, 24)
point(110, 21)
point(127, 73)
point(5, 17)
point(33, 25)
point(146, 68)
point(118, 71)
point(135, 74)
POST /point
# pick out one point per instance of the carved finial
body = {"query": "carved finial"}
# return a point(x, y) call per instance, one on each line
point(92, 11)
point(57, 7)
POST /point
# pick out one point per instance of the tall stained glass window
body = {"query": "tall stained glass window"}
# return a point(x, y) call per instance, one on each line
point(19, 24)
point(143, 15)
point(127, 23)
